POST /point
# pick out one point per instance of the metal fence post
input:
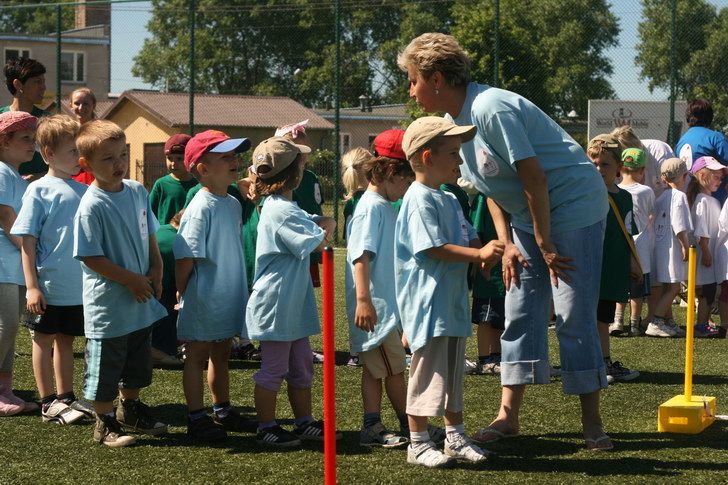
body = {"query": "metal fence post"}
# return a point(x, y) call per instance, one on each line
point(496, 46)
point(59, 26)
point(191, 96)
point(673, 76)
point(337, 107)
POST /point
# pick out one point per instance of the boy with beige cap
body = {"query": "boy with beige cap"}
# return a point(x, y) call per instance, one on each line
point(432, 250)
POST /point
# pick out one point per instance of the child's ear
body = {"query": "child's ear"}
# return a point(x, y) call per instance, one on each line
point(427, 157)
point(47, 153)
point(84, 163)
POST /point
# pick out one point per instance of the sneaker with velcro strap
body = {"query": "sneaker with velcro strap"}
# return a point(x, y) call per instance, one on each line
point(61, 413)
point(135, 415)
point(460, 447)
point(84, 407)
point(426, 454)
point(277, 436)
point(313, 431)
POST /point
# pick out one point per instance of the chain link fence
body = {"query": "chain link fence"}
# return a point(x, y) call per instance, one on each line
point(592, 65)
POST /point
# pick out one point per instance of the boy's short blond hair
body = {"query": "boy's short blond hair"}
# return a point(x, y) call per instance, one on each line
point(52, 130)
point(94, 133)
point(433, 52)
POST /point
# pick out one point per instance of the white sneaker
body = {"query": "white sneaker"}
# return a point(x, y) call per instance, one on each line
point(84, 407)
point(658, 329)
point(61, 413)
point(616, 328)
point(425, 454)
point(460, 446)
point(671, 325)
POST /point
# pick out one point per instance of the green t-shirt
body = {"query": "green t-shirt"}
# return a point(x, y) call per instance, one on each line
point(308, 196)
point(462, 198)
point(483, 225)
point(168, 197)
point(251, 217)
point(36, 164)
point(350, 207)
point(615, 280)
point(165, 239)
point(232, 190)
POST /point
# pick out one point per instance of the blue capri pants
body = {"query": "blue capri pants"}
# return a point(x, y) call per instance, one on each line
point(525, 339)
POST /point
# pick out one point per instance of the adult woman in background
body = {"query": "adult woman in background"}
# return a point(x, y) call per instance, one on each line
point(83, 104)
point(549, 205)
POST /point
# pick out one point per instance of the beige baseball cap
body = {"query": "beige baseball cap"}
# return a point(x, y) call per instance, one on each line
point(673, 168)
point(276, 154)
point(423, 130)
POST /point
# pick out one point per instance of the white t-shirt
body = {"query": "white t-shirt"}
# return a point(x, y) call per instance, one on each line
point(720, 258)
point(705, 213)
point(643, 204)
point(671, 217)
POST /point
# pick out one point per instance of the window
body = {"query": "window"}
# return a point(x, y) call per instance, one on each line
point(11, 52)
point(72, 67)
point(344, 142)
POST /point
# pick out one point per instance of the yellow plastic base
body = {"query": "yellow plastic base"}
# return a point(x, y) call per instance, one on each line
point(679, 415)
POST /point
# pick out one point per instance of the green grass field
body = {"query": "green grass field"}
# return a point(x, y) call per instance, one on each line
point(550, 450)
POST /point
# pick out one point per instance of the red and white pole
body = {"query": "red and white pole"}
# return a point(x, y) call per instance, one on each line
point(329, 363)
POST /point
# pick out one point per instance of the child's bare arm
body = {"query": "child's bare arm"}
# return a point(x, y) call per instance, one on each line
point(139, 285)
point(183, 270)
point(365, 316)
point(7, 219)
point(460, 254)
point(328, 225)
point(706, 258)
point(35, 300)
point(156, 266)
point(683, 238)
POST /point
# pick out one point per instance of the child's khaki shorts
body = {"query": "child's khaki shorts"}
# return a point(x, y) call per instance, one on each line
point(386, 360)
point(436, 377)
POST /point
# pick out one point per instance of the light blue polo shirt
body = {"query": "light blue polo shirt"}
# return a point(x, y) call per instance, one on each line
point(511, 128)
point(213, 305)
point(49, 205)
point(432, 294)
point(371, 229)
point(12, 187)
point(116, 225)
point(282, 306)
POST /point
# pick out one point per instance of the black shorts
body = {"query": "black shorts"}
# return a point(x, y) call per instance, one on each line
point(117, 363)
point(605, 311)
point(67, 320)
point(639, 290)
point(489, 310)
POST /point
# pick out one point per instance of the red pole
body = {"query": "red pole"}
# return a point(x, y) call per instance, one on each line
point(329, 362)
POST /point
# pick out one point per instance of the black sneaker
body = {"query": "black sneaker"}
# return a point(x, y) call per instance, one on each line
point(236, 422)
point(277, 436)
point(135, 415)
point(313, 431)
point(108, 432)
point(205, 429)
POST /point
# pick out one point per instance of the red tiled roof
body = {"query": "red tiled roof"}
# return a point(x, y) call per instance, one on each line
point(223, 110)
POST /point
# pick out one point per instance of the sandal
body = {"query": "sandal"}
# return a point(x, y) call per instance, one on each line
point(593, 444)
point(479, 437)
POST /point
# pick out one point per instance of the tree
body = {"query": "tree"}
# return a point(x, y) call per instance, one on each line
point(552, 55)
point(694, 21)
point(37, 20)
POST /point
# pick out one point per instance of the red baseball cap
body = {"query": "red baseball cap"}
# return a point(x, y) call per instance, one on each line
point(11, 121)
point(389, 144)
point(212, 141)
point(176, 144)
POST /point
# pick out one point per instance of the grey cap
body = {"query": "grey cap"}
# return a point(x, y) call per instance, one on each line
point(673, 168)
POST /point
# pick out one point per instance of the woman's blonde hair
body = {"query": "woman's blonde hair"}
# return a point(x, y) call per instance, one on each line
point(435, 52)
point(626, 137)
point(352, 170)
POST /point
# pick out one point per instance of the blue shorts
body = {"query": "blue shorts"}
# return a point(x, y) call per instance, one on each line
point(639, 290)
point(489, 310)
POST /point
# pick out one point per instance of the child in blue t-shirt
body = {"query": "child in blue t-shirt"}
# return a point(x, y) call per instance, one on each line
point(211, 282)
point(281, 312)
point(114, 237)
point(17, 145)
point(432, 248)
point(371, 304)
point(52, 275)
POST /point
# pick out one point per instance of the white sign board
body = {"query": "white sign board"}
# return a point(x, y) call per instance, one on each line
point(650, 120)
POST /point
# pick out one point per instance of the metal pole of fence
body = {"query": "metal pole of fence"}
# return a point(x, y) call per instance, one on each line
point(673, 76)
point(496, 46)
point(337, 108)
point(329, 363)
point(191, 95)
point(59, 26)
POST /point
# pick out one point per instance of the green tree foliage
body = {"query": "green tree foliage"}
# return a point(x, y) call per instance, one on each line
point(694, 20)
point(37, 20)
point(552, 54)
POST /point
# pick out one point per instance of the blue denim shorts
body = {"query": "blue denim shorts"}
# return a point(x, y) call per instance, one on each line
point(525, 340)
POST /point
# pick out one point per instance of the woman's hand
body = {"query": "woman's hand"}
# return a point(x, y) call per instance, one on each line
point(512, 257)
point(557, 264)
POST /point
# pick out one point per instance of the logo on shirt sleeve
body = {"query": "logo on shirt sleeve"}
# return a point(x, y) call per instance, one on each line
point(143, 227)
point(487, 164)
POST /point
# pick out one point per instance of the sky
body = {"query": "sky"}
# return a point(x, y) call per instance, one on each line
point(129, 30)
